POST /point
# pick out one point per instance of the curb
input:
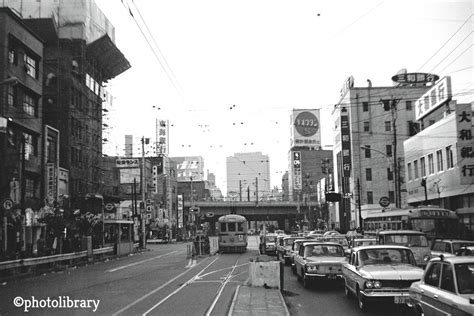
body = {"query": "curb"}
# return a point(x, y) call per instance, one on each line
point(234, 300)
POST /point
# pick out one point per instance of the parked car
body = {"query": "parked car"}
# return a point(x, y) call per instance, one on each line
point(380, 273)
point(285, 252)
point(448, 247)
point(446, 288)
point(465, 251)
point(268, 244)
point(319, 260)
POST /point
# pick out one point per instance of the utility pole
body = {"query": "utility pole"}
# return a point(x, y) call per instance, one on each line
point(256, 189)
point(359, 204)
point(142, 188)
point(240, 190)
point(396, 171)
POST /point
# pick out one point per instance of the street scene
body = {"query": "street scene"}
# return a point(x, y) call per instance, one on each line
point(254, 157)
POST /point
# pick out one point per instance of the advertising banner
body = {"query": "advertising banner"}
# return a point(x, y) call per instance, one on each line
point(465, 146)
point(438, 95)
point(180, 211)
point(346, 146)
point(297, 185)
point(305, 130)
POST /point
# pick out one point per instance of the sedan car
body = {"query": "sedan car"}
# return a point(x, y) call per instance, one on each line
point(446, 288)
point(268, 244)
point(448, 247)
point(380, 273)
point(295, 249)
point(284, 252)
point(319, 260)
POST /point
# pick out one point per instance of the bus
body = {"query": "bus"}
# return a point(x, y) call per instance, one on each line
point(434, 221)
point(232, 232)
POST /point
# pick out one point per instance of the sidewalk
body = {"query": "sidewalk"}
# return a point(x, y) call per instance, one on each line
point(255, 301)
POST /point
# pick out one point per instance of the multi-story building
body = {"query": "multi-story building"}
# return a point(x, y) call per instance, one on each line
point(22, 146)
point(371, 124)
point(439, 160)
point(80, 56)
point(248, 176)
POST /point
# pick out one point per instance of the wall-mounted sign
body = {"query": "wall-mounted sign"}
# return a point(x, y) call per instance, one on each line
point(127, 163)
point(404, 79)
point(297, 176)
point(162, 131)
point(346, 146)
point(438, 95)
point(384, 201)
point(347, 85)
point(465, 133)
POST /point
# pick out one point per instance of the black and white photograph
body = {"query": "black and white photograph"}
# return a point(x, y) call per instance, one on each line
point(237, 157)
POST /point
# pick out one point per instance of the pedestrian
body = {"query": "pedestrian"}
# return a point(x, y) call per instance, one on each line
point(41, 246)
point(54, 245)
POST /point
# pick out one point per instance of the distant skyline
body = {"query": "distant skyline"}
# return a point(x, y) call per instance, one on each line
point(233, 71)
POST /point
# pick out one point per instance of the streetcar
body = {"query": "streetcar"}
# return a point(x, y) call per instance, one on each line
point(232, 232)
point(434, 221)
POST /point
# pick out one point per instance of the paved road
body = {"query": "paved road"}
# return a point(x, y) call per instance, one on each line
point(156, 282)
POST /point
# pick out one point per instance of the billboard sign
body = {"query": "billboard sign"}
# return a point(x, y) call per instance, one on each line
point(438, 95)
point(405, 79)
point(306, 128)
point(465, 134)
point(162, 132)
point(180, 211)
point(346, 146)
point(127, 163)
point(297, 185)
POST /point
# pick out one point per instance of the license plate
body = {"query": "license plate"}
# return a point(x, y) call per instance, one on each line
point(401, 299)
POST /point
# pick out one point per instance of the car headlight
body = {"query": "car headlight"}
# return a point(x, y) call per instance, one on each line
point(426, 258)
point(377, 284)
point(311, 268)
point(369, 284)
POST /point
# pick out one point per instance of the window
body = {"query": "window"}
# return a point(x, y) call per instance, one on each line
point(30, 104)
point(430, 164)
point(415, 167)
point(11, 95)
point(231, 227)
point(12, 56)
point(370, 197)
point(423, 167)
point(388, 126)
point(386, 105)
point(391, 196)
point(449, 158)
point(388, 150)
point(410, 171)
point(368, 174)
point(433, 274)
point(439, 160)
point(367, 151)
point(408, 106)
point(30, 145)
point(389, 174)
point(31, 66)
point(447, 280)
point(365, 106)
point(366, 126)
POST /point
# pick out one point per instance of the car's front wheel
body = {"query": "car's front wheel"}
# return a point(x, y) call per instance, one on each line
point(347, 291)
point(419, 311)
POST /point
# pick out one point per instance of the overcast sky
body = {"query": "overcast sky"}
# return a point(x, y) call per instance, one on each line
point(268, 57)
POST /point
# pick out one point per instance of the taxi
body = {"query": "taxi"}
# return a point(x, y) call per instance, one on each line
point(319, 260)
point(268, 244)
point(284, 251)
point(446, 288)
point(380, 273)
point(449, 247)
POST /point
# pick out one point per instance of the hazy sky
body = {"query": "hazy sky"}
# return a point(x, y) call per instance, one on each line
point(268, 57)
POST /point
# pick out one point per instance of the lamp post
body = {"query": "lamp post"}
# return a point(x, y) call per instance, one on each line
point(396, 177)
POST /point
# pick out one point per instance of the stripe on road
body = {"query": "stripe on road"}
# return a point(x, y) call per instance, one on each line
point(139, 262)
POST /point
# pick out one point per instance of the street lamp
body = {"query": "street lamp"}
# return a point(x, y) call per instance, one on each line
point(396, 176)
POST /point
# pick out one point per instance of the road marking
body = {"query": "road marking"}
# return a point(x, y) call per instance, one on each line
point(151, 293)
point(139, 262)
point(223, 284)
point(211, 272)
point(180, 288)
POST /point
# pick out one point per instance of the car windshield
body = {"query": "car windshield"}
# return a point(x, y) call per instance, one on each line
point(270, 238)
point(385, 256)
point(458, 245)
point(410, 240)
point(465, 277)
point(323, 251)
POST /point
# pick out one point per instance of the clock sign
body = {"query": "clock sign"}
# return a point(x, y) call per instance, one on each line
point(306, 124)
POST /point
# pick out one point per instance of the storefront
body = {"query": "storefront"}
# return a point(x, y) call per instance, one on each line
point(118, 233)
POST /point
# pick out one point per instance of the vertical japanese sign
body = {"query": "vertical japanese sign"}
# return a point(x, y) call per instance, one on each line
point(180, 211)
point(297, 170)
point(162, 137)
point(52, 183)
point(346, 146)
point(465, 142)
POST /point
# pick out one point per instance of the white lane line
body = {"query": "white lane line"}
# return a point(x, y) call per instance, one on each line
point(228, 277)
point(227, 268)
point(139, 262)
point(151, 293)
point(180, 288)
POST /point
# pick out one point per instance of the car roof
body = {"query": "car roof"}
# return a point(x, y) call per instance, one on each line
point(379, 247)
point(359, 239)
point(455, 259)
point(292, 237)
point(321, 243)
point(398, 232)
point(456, 240)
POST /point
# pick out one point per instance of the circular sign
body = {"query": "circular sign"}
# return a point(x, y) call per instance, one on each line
point(109, 206)
point(7, 204)
point(384, 201)
point(306, 124)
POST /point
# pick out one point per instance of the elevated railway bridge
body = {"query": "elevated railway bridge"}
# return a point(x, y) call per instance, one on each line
point(285, 214)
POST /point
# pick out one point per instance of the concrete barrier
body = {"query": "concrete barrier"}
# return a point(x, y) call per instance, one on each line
point(264, 271)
